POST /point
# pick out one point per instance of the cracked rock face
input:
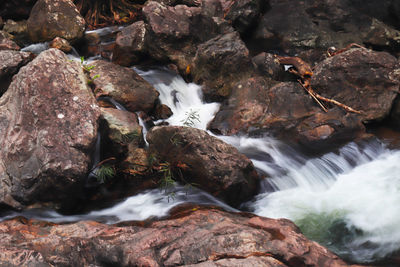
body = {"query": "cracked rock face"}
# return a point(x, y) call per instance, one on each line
point(193, 236)
point(48, 125)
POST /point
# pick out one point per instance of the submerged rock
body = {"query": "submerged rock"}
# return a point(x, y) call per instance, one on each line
point(49, 121)
point(123, 85)
point(55, 18)
point(206, 161)
point(192, 237)
point(10, 63)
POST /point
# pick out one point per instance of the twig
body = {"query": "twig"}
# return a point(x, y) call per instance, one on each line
point(312, 94)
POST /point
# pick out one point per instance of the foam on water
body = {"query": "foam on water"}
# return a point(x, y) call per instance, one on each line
point(181, 97)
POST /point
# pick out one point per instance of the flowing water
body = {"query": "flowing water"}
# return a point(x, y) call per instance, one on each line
point(346, 200)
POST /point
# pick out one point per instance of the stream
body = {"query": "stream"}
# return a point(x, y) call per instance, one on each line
point(346, 200)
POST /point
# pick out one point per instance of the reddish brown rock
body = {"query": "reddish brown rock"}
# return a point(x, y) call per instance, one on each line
point(55, 18)
point(176, 31)
point(130, 45)
point(61, 44)
point(10, 62)
point(285, 110)
point(207, 161)
point(123, 85)
point(219, 63)
point(18, 29)
point(192, 237)
point(48, 120)
point(6, 42)
point(362, 79)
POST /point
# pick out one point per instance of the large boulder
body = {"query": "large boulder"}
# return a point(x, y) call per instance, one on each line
point(207, 161)
point(124, 85)
point(10, 62)
point(244, 14)
point(49, 121)
point(55, 18)
point(219, 63)
point(362, 79)
point(194, 236)
point(285, 110)
point(19, 31)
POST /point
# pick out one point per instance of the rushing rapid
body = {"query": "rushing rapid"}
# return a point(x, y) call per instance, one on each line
point(347, 200)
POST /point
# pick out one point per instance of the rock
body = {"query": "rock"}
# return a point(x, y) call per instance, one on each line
point(130, 45)
point(177, 42)
point(123, 129)
point(18, 29)
point(194, 236)
point(6, 42)
point(268, 65)
point(16, 9)
point(10, 62)
point(55, 18)
point(219, 63)
point(1, 23)
point(60, 44)
point(323, 131)
point(124, 85)
point(213, 165)
point(320, 24)
point(162, 112)
point(48, 120)
point(257, 106)
point(244, 14)
point(362, 79)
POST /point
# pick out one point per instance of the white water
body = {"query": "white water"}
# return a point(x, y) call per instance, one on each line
point(151, 203)
point(348, 200)
point(181, 97)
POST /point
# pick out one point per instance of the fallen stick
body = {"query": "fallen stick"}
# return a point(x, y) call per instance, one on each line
point(312, 94)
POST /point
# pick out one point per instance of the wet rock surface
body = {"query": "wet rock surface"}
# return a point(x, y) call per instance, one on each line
point(213, 165)
point(55, 18)
point(124, 85)
point(48, 119)
point(191, 237)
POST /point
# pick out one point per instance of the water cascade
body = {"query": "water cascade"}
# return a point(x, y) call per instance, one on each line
point(346, 200)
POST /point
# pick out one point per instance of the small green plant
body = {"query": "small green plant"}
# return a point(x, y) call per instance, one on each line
point(167, 182)
point(104, 173)
point(192, 116)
